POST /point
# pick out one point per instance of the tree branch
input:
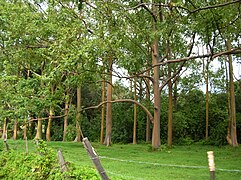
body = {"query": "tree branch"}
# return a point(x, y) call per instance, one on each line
point(123, 100)
point(173, 5)
point(215, 6)
point(232, 51)
point(169, 79)
point(42, 119)
point(37, 46)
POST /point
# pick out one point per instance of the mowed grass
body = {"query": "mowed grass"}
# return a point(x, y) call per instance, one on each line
point(139, 162)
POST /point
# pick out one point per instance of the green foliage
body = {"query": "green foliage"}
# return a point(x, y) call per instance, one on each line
point(71, 132)
point(218, 126)
point(83, 173)
point(67, 44)
point(39, 165)
point(57, 132)
point(122, 122)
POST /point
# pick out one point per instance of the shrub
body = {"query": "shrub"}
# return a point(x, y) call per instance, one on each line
point(39, 165)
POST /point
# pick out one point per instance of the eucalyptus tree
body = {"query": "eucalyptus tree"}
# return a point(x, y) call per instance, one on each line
point(18, 24)
point(221, 33)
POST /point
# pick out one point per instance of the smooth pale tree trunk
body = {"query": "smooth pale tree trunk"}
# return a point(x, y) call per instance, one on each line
point(48, 133)
point(170, 110)
point(66, 116)
point(207, 98)
point(5, 123)
point(148, 134)
point(135, 114)
point(102, 113)
point(229, 105)
point(156, 70)
point(175, 96)
point(25, 131)
point(131, 87)
point(170, 103)
point(51, 112)
point(39, 130)
point(15, 129)
point(78, 116)
point(140, 97)
point(233, 128)
point(107, 141)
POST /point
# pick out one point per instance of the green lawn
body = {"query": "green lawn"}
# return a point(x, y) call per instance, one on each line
point(139, 162)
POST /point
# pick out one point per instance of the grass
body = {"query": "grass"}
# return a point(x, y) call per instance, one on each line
point(139, 162)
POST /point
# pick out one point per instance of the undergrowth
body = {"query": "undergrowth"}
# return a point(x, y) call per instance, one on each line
point(40, 165)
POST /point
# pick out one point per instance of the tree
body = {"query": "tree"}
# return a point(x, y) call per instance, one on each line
point(232, 133)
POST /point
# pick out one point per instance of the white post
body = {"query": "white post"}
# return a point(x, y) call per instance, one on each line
point(211, 164)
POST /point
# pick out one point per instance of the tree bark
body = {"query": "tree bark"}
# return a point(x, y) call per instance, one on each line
point(131, 87)
point(51, 112)
point(39, 130)
point(78, 116)
point(25, 131)
point(15, 129)
point(5, 123)
point(206, 75)
point(155, 60)
point(134, 125)
point(66, 116)
point(170, 110)
point(48, 133)
point(233, 131)
point(102, 113)
point(107, 141)
point(175, 95)
point(170, 103)
point(148, 137)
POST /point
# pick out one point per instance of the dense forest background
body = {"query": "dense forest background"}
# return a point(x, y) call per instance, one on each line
point(129, 71)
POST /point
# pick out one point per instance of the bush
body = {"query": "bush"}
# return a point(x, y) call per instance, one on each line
point(218, 124)
point(39, 165)
point(71, 132)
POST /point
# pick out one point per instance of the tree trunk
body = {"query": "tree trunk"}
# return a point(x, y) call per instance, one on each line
point(140, 90)
point(78, 116)
point(107, 141)
point(102, 113)
point(148, 137)
point(15, 130)
point(51, 112)
point(66, 116)
point(207, 98)
point(134, 125)
point(170, 104)
point(5, 123)
point(175, 96)
point(155, 60)
point(229, 105)
point(48, 133)
point(170, 111)
point(131, 87)
point(39, 130)
point(233, 131)
point(25, 131)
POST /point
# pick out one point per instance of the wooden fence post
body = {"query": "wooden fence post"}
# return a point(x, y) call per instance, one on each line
point(62, 163)
point(211, 165)
point(94, 157)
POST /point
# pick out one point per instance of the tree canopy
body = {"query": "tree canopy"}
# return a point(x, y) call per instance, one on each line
point(50, 48)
